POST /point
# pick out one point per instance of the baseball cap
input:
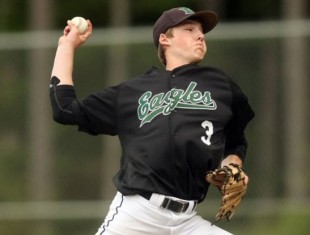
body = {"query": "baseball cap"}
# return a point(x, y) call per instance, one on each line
point(175, 16)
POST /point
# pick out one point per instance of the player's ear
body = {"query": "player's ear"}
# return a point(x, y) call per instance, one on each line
point(164, 40)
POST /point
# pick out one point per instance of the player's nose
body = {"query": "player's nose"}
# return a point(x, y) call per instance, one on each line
point(200, 36)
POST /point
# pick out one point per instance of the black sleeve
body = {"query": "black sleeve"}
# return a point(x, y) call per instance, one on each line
point(235, 141)
point(96, 114)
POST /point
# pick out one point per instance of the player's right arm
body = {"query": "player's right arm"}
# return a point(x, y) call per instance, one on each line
point(62, 94)
point(68, 42)
point(95, 114)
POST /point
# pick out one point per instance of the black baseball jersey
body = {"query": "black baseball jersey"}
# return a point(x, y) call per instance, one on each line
point(173, 126)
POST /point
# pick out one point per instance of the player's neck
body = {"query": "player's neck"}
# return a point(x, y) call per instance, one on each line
point(170, 67)
point(175, 64)
point(178, 62)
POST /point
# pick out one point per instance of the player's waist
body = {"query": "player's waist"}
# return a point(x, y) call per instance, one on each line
point(173, 204)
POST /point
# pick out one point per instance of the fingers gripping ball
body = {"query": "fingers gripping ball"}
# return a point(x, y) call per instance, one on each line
point(80, 23)
point(230, 180)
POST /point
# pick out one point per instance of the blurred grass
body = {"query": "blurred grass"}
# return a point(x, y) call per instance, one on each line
point(279, 225)
point(282, 224)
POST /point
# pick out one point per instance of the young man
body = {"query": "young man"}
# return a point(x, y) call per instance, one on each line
point(174, 125)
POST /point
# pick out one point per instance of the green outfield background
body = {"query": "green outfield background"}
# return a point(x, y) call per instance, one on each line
point(57, 181)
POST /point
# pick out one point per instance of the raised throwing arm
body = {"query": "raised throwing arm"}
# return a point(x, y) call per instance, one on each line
point(64, 58)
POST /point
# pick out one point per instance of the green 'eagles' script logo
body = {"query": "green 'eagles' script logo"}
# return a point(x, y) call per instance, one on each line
point(161, 103)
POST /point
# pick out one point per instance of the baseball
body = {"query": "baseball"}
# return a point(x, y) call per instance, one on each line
point(80, 23)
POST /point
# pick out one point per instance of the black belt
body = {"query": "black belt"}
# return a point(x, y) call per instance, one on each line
point(170, 204)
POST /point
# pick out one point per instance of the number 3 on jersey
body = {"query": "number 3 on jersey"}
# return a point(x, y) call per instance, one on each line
point(208, 126)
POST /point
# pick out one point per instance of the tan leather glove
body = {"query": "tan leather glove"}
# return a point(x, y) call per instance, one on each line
point(230, 180)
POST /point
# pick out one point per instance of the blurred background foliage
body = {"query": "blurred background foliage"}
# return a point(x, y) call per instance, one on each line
point(14, 13)
point(41, 161)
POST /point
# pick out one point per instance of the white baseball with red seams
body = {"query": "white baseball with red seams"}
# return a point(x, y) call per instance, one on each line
point(80, 23)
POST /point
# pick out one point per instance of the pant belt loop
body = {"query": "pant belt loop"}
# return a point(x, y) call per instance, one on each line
point(157, 199)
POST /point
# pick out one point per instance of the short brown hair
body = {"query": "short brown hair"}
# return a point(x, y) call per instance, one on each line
point(161, 52)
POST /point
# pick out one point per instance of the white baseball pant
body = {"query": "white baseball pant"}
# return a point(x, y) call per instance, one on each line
point(135, 215)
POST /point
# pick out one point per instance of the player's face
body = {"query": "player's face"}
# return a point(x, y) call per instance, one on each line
point(188, 43)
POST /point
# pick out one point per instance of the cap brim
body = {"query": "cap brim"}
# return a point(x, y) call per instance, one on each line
point(208, 19)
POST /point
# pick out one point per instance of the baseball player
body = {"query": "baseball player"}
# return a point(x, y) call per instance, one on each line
point(174, 125)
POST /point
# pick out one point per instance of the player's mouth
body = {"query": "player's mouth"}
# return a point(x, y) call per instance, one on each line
point(199, 45)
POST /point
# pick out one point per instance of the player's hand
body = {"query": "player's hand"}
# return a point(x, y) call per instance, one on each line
point(72, 36)
point(235, 160)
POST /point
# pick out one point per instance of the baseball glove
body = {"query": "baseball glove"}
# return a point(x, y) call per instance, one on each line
point(230, 180)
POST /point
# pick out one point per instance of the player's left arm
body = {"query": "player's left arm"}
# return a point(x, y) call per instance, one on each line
point(236, 143)
point(230, 178)
point(235, 139)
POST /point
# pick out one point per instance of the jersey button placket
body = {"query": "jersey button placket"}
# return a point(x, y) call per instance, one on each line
point(174, 86)
point(172, 81)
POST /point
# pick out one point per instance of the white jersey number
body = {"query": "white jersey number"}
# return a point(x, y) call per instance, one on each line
point(208, 126)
